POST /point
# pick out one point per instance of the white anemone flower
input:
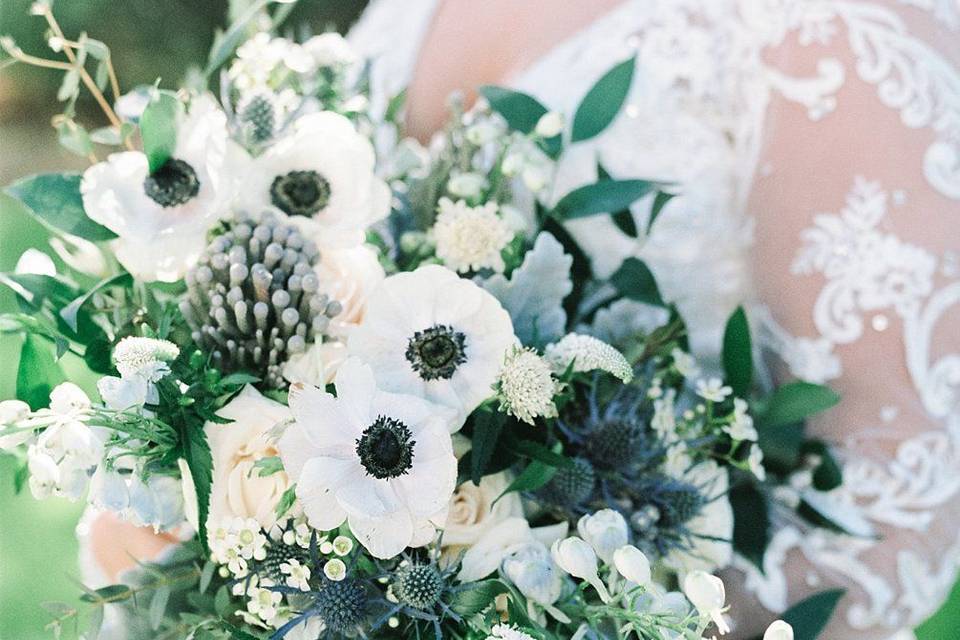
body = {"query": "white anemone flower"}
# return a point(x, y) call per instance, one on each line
point(382, 462)
point(432, 334)
point(162, 218)
point(321, 175)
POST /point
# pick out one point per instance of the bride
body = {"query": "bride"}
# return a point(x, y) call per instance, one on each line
point(816, 145)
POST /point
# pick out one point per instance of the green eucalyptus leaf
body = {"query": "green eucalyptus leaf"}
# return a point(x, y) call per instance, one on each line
point(158, 127)
point(751, 524)
point(795, 402)
point(738, 353)
point(158, 606)
point(634, 280)
point(111, 593)
point(54, 198)
point(476, 597)
point(604, 196)
point(603, 101)
point(534, 476)
point(521, 111)
point(659, 202)
point(809, 617)
point(74, 138)
point(69, 86)
point(69, 312)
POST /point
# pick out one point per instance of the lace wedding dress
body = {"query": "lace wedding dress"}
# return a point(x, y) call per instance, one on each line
point(817, 147)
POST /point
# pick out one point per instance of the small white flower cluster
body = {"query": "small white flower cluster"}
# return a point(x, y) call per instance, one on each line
point(470, 238)
point(526, 386)
point(588, 354)
point(142, 362)
point(62, 457)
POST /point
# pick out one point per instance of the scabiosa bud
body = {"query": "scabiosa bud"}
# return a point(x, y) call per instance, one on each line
point(342, 605)
point(570, 486)
point(419, 585)
point(253, 299)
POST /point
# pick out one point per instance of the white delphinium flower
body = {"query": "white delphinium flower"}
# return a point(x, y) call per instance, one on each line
point(12, 412)
point(707, 593)
point(470, 238)
point(321, 174)
point(685, 364)
point(381, 461)
point(605, 531)
point(755, 462)
point(432, 334)
point(296, 575)
point(331, 50)
point(65, 454)
point(162, 218)
point(550, 124)
point(778, 630)
point(155, 501)
point(713, 390)
point(587, 354)
point(741, 426)
point(577, 557)
point(632, 564)
point(34, 261)
point(530, 567)
point(466, 185)
point(506, 632)
point(526, 387)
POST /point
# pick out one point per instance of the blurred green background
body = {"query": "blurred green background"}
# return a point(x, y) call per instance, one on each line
point(149, 39)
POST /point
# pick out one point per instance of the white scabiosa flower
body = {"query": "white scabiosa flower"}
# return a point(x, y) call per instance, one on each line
point(431, 334)
point(470, 238)
point(321, 174)
point(144, 357)
point(713, 390)
point(382, 462)
point(162, 218)
point(526, 386)
point(588, 354)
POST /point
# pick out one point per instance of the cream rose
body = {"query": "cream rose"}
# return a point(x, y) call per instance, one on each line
point(238, 489)
point(348, 276)
point(317, 366)
point(472, 512)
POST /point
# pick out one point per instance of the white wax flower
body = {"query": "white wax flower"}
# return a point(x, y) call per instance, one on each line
point(578, 558)
point(632, 564)
point(707, 593)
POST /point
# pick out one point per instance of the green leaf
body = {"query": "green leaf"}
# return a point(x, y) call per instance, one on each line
point(751, 524)
point(225, 44)
point(659, 202)
point(38, 372)
point(195, 449)
point(623, 218)
point(796, 401)
point(54, 198)
point(521, 111)
point(634, 280)
point(111, 593)
point(476, 597)
point(158, 606)
point(158, 127)
point(809, 617)
point(604, 196)
point(487, 426)
point(206, 576)
point(268, 466)
point(534, 476)
point(286, 501)
point(604, 100)
point(74, 138)
point(536, 451)
point(221, 602)
point(69, 312)
point(738, 353)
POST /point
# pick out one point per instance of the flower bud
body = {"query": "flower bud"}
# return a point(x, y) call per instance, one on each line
point(550, 124)
point(707, 593)
point(779, 630)
point(531, 569)
point(578, 558)
point(606, 531)
point(632, 564)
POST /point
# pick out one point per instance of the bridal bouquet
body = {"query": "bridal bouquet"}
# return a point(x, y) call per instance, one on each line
point(374, 388)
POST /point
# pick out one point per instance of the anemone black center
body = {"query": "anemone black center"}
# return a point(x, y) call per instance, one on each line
point(386, 448)
point(300, 193)
point(436, 352)
point(173, 184)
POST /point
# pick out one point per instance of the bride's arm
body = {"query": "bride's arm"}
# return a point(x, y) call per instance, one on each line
point(857, 209)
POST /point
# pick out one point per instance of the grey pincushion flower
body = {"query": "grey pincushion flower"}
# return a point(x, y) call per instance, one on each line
point(253, 300)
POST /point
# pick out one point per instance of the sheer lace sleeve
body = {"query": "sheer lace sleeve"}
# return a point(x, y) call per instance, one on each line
point(857, 206)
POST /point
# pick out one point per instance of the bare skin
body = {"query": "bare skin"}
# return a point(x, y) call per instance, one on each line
point(470, 44)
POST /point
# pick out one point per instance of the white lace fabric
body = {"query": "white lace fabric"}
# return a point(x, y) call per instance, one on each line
point(817, 147)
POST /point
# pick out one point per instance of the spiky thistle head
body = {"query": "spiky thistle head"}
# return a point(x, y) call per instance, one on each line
point(571, 486)
point(419, 585)
point(342, 605)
